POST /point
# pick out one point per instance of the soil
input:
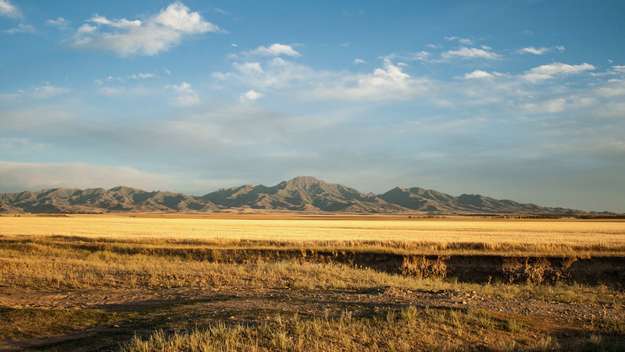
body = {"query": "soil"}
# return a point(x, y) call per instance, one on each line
point(140, 311)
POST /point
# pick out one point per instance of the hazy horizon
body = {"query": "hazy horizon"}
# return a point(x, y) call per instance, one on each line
point(520, 100)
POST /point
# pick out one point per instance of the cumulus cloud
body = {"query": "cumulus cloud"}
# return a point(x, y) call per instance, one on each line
point(152, 36)
point(251, 95)
point(359, 61)
point(389, 82)
point(276, 49)
point(184, 95)
point(8, 9)
point(471, 53)
point(275, 73)
point(549, 71)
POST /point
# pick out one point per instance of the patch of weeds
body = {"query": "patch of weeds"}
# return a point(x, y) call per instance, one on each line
point(37, 323)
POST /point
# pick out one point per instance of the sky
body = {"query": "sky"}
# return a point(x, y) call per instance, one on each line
point(521, 100)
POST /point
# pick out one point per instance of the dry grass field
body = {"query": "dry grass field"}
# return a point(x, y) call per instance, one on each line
point(597, 236)
point(302, 283)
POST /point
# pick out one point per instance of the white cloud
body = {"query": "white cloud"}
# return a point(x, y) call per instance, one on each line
point(185, 95)
point(479, 74)
point(177, 16)
point(121, 23)
point(58, 22)
point(8, 9)
point(276, 49)
point(275, 73)
point(251, 95)
point(86, 29)
point(152, 36)
point(539, 50)
point(533, 50)
point(471, 53)
point(548, 106)
point(385, 83)
point(549, 71)
point(249, 68)
point(21, 28)
point(614, 88)
point(359, 61)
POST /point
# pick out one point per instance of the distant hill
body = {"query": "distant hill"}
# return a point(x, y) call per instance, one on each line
point(299, 194)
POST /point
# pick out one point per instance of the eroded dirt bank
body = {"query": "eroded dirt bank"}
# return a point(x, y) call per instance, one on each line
point(476, 268)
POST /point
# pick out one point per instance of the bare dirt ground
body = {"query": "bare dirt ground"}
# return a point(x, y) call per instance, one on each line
point(119, 314)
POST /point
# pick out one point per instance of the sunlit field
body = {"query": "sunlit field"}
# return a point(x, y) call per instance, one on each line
point(593, 235)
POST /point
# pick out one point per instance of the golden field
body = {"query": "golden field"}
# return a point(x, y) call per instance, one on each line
point(436, 233)
point(169, 282)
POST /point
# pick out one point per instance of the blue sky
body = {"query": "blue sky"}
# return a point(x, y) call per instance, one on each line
point(515, 99)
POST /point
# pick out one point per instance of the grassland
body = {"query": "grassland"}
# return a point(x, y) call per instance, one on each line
point(121, 283)
point(506, 236)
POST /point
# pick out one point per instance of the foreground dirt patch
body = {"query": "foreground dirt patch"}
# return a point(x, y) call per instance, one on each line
point(89, 320)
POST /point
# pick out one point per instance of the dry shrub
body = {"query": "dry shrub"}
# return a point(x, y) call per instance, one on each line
point(423, 267)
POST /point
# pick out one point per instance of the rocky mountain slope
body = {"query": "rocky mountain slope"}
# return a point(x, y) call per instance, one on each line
point(298, 194)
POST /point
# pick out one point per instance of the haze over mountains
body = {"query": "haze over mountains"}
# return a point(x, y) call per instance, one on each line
point(299, 194)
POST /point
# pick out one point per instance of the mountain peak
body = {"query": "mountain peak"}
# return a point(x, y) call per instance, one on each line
point(304, 181)
point(125, 189)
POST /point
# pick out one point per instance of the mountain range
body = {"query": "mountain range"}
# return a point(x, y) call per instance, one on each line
point(302, 193)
